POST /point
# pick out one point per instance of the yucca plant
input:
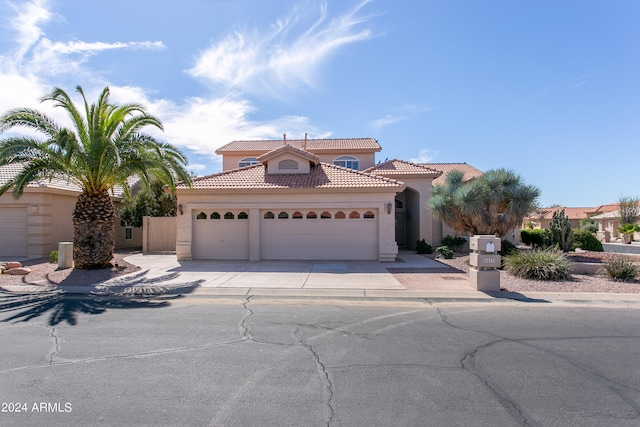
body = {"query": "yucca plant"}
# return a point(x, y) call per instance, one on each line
point(539, 264)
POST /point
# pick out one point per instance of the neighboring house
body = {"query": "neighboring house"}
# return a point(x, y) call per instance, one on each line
point(608, 224)
point(542, 217)
point(307, 199)
point(33, 225)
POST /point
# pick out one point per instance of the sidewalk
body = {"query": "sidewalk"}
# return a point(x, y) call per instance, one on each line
point(164, 275)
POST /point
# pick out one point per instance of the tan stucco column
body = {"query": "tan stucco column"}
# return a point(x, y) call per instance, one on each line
point(184, 233)
point(254, 234)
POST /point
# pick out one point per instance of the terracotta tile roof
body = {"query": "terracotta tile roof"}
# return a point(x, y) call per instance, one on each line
point(288, 148)
point(9, 171)
point(469, 171)
point(323, 175)
point(401, 167)
point(312, 145)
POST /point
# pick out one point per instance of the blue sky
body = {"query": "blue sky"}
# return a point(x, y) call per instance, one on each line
point(550, 89)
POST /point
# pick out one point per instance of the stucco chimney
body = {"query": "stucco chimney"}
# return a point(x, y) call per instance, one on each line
point(304, 145)
point(284, 138)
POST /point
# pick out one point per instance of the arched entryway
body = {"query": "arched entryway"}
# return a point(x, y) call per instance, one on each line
point(407, 218)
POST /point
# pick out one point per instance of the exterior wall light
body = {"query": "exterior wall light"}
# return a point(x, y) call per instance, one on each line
point(180, 209)
point(389, 208)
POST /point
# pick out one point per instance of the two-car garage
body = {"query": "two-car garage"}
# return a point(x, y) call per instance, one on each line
point(287, 234)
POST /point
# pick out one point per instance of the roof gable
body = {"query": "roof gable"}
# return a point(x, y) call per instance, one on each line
point(401, 167)
point(288, 149)
point(321, 176)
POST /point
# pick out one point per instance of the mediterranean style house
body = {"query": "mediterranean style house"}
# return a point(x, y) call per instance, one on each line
point(309, 199)
point(33, 225)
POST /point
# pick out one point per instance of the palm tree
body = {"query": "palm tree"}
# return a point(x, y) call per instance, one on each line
point(494, 203)
point(104, 149)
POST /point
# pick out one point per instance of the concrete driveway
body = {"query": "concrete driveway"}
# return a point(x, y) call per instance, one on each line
point(349, 278)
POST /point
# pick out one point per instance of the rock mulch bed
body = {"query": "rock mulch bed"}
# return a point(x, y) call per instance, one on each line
point(578, 282)
point(44, 273)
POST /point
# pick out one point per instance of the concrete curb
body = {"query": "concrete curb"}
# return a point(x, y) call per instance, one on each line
point(537, 298)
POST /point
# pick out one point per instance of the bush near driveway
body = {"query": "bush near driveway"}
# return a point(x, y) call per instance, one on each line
point(539, 264)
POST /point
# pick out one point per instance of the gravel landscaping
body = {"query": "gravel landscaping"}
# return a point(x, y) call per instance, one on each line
point(579, 282)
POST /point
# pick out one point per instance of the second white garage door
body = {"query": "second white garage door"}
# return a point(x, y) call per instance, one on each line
point(319, 235)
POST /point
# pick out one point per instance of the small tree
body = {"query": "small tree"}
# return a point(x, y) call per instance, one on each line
point(589, 224)
point(494, 203)
point(629, 208)
point(561, 232)
point(152, 201)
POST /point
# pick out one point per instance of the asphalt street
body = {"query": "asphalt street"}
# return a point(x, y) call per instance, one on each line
point(85, 360)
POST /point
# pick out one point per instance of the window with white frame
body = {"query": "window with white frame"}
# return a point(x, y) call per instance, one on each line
point(347, 162)
point(248, 161)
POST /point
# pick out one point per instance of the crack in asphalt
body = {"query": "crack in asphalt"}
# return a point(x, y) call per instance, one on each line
point(468, 364)
point(242, 325)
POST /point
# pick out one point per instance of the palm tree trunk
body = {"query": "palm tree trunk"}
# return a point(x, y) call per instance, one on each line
point(93, 230)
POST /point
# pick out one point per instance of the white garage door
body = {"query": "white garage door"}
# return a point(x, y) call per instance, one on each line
point(13, 231)
point(319, 235)
point(221, 235)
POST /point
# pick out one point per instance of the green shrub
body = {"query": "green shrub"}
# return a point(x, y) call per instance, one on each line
point(53, 257)
point(539, 264)
point(586, 240)
point(445, 252)
point(589, 224)
point(535, 238)
point(622, 268)
point(507, 248)
point(455, 243)
point(423, 247)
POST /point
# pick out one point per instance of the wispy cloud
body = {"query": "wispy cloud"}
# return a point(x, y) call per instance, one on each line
point(564, 85)
point(398, 115)
point(288, 55)
point(425, 156)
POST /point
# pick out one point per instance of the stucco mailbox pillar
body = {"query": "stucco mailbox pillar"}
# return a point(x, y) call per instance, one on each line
point(484, 261)
point(65, 255)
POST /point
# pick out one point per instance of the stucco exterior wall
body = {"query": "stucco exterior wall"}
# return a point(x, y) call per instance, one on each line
point(49, 220)
point(367, 160)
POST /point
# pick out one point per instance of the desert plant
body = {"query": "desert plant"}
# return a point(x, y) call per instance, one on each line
point(538, 237)
point(589, 224)
point(622, 268)
point(494, 203)
point(539, 264)
point(585, 239)
point(628, 228)
point(455, 243)
point(629, 209)
point(53, 257)
point(445, 252)
point(561, 232)
point(422, 247)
